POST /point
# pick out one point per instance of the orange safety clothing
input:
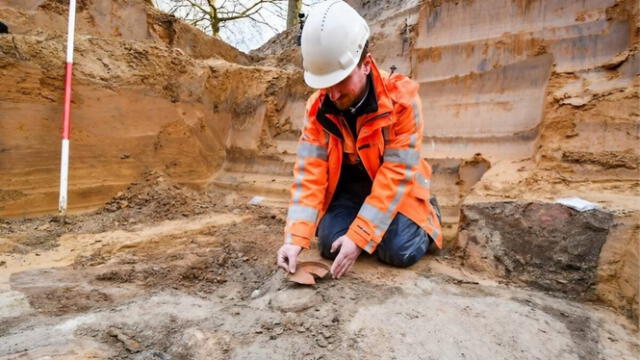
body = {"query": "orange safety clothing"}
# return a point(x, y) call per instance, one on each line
point(388, 144)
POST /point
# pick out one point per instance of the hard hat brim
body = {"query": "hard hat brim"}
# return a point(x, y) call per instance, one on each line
point(327, 80)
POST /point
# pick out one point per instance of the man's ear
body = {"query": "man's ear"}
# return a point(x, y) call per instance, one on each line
point(366, 64)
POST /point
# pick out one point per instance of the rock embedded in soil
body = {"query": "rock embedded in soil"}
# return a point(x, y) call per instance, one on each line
point(295, 300)
point(129, 344)
point(546, 245)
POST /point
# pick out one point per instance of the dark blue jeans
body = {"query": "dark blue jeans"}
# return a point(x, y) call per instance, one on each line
point(402, 245)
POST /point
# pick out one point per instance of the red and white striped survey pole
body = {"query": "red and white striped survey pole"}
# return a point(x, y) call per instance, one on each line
point(66, 118)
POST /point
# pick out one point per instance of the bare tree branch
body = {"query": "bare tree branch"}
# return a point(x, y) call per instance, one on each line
point(237, 21)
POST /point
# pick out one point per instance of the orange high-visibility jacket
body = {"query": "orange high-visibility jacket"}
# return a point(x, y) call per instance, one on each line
point(388, 145)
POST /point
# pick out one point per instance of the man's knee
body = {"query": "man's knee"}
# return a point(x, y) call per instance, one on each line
point(326, 237)
point(404, 244)
point(404, 256)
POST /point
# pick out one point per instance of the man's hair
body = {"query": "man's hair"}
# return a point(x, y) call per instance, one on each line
point(365, 52)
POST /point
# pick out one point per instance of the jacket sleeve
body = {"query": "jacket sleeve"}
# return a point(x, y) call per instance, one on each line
point(393, 179)
point(310, 184)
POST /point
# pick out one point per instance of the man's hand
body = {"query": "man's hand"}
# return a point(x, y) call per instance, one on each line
point(287, 257)
point(347, 256)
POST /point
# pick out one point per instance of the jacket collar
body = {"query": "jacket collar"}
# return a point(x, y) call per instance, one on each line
point(377, 103)
point(369, 104)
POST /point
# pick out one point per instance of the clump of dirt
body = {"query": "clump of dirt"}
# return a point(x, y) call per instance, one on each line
point(161, 199)
point(27, 235)
point(67, 299)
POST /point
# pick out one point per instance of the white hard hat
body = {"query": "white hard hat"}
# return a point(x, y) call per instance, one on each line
point(333, 38)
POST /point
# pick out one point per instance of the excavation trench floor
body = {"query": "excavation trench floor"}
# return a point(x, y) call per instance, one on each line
point(205, 286)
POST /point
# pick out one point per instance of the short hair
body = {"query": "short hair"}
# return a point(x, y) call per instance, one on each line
point(365, 52)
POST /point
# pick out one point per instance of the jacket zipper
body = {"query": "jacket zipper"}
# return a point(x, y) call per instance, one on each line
point(366, 133)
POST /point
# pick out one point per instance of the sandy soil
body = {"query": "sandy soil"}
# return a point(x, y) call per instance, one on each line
point(174, 132)
point(205, 286)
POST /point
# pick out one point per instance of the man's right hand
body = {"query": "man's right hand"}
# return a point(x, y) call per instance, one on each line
point(287, 257)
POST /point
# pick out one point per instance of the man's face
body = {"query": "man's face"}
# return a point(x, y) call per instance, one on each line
point(350, 90)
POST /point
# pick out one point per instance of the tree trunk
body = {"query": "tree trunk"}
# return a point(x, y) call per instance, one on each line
point(292, 12)
point(215, 29)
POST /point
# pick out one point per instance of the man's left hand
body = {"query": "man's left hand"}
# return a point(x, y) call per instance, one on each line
point(347, 256)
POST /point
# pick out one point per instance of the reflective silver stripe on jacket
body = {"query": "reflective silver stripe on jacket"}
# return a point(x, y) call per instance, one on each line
point(422, 181)
point(306, 150)
point(302, 212)
point(409, 157)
